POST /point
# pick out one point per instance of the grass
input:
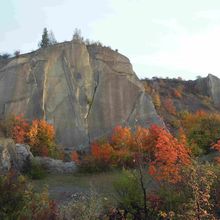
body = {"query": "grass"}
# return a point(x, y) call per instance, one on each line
point(61, 187)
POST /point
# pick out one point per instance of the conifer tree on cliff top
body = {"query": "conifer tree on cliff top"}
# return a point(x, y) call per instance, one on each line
point(47, 39)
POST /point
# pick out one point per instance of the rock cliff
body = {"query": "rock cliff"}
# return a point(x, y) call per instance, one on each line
point(174, 97)
point(210, 86)
point(84, 91)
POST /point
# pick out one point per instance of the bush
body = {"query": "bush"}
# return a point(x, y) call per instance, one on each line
point(12, 200)
point(15, 127)
point(41, 138)
point(131, 198)
point(129, 193)
point(19, 201)
point(199, 181)
point(36, 170)
point(172, 198)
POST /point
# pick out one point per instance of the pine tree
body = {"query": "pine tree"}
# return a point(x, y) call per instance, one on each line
point(45, 42)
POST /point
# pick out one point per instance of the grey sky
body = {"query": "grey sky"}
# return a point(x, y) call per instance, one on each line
point(160, 37)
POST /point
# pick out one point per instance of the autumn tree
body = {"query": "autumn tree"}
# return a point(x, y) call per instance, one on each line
point(168, 155)
point(41, 138)
point(19, 129)
point(155, 147)
point(15, 127)
point(101, 152)
point(75, 157)
point(121, 137)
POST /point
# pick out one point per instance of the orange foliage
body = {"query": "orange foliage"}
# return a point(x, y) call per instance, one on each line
point(20, 129)
point(140, 138)
point(190, 119)
point(216, 146)
point(41, 137)
point(176, 93)
point(75, 157)
point(122, 137)
point(101, 152)
point(155, 146)
point(169, 157)
point(169, 106)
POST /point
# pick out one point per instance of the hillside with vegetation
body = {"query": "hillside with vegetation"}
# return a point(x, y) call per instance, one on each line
point(83, 138)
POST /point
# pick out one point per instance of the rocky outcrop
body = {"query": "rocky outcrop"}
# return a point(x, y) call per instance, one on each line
point(23, 155)
point(56, 166)
point(6, 149)
point(13, 155)
point(214, 89)
point(84, 91)
point(209, 86)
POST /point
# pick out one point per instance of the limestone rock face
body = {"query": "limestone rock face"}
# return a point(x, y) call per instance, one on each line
point(84, 91)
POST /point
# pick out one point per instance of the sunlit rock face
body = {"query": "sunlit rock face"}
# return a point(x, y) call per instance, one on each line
point(84, 91)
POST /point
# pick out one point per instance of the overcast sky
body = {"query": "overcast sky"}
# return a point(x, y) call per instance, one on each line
point(167, 38)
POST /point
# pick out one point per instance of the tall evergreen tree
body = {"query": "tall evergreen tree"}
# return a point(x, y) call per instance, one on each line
point(45, 42)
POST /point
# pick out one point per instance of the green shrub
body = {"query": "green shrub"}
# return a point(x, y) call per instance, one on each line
point(172, 198)
point(36, 170)
point(12, 198)
point(129, 194)
point(131, 197)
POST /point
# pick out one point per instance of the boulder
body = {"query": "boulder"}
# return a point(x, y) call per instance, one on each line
point(7, 155)
point(13, 155)
point(56, 166)
point(23, 154)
